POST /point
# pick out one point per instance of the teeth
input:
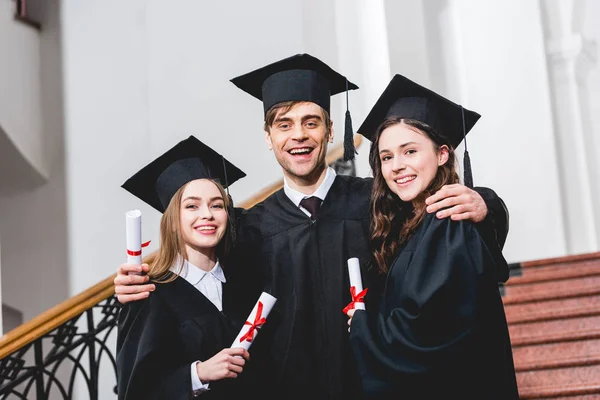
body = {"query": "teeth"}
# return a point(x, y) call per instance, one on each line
point(406, 179)
point(206, 228)
point(300, 151)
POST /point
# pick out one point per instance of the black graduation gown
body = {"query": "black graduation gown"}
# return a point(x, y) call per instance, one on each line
point(303, 351)
point(159, 338)
point(441, 331)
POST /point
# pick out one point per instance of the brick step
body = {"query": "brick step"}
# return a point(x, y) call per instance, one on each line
point(587, 306)
point(555, 272)
point(572, 392)
point(557, 355)
point(552, 290)
point(566, 260)
point(541, 306)
point(548, 383)
point(562, 330)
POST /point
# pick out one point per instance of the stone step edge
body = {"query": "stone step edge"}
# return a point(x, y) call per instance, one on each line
point(567, 336)
point(540, 277)
point(557, 363)
point(556, 260)
point(541, 295)
point(515, 318)
point(549, 392)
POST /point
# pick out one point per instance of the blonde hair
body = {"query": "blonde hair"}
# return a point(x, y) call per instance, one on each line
point(172, 245)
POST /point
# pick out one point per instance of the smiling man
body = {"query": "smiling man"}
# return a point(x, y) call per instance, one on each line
point(298, 135)
point(297, 242)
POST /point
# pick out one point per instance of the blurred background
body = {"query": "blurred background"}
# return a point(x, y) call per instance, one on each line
point(92, 90)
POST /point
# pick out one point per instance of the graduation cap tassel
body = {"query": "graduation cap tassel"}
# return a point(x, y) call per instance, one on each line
point(466, 159)
point(225, 174)
point(349, 150)
point(468, 172)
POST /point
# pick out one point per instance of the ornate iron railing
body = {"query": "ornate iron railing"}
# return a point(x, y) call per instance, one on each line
point(64, 350)
point(76, 349)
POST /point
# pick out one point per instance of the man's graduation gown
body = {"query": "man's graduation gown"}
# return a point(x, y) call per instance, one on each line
point(440, 331)
point(161, 336)
point(303, 351)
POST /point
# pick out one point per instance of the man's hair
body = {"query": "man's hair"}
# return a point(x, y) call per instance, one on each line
point(286, 106)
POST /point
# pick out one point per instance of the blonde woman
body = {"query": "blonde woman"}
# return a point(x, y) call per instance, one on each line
point(175, 344)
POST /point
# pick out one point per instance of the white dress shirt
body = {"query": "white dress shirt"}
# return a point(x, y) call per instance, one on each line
point(210, 284)
point(296, 197)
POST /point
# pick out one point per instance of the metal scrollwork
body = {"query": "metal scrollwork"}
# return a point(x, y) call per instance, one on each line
point(70, 356)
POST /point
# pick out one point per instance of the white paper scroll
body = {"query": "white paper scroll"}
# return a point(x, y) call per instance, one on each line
point(258, 316)
point(356, 286)
point(133, 228)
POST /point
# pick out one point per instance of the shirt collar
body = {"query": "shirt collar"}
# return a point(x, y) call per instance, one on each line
point(193, 274)
point(296, 196)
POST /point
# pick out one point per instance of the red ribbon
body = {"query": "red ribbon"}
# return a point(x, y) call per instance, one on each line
point(139, 252)
point(258, 322)
point(356, 298)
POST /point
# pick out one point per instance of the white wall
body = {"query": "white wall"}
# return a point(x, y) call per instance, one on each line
point(20, 107)
point(33, 218)
point(590, 31)
point(494, 63)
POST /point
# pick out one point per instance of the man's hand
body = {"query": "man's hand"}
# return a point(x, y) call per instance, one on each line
point(459, 203)
point(228, 363)
point(132, 287)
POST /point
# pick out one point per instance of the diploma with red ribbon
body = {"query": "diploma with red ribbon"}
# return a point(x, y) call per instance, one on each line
point(256, 319)
point(356, 287)
point(133, 228)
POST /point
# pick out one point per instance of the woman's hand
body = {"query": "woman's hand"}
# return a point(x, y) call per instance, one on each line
point(134, 286)
point(350, 315)
point(228, 363)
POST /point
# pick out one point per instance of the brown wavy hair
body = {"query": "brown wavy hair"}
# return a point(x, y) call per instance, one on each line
point(392, 220)
point(172, 245)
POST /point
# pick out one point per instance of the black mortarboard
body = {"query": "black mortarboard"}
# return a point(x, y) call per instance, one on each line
point(404, 98)
point(301, 77)
point(188, 160)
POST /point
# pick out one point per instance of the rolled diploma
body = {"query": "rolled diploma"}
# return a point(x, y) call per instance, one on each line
point(355, 279)
point(267, 302)
point(133, 228)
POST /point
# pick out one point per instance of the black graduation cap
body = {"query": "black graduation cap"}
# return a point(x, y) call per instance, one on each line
point(188, 160)
point(404, 98)
point(301, 77)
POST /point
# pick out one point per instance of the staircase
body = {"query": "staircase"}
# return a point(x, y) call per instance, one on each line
point(553, 312)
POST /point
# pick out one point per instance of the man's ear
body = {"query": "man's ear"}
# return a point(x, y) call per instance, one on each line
point(331, 133)
point(443, 155)
point(268, 140)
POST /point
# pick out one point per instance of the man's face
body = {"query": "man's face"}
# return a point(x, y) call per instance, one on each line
point(299, 140)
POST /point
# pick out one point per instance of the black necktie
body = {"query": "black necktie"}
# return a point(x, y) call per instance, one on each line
point(312, 204)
